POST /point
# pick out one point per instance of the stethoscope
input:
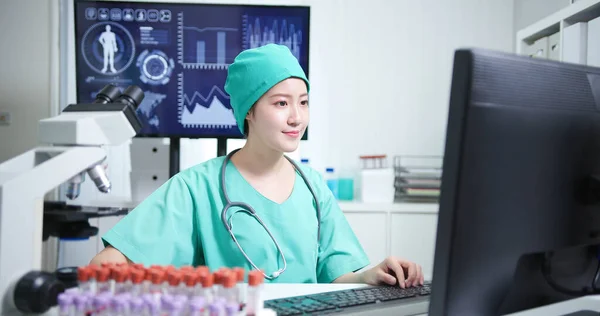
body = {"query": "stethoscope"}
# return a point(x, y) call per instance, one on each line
point(250, 211)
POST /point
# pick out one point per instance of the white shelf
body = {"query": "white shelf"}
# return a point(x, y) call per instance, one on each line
point(580, 11)
point(406, 208)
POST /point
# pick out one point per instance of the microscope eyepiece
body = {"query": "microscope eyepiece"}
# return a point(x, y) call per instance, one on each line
point(132, 96)
point(108, 94)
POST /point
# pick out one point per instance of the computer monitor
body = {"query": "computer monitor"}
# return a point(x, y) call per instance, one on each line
point(179, 54)
point(519, 212)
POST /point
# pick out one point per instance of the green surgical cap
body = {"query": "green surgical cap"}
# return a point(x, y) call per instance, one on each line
point(255, 71)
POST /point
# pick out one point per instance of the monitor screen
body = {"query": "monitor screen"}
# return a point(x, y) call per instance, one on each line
point(178, 53)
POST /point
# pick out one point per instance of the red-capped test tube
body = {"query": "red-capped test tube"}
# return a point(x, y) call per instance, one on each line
point(255, 301)
point(201, 273)
point(121, 278)
point(208, 290)
point(174, 280)
point(103, 281)
point(240, 286)
point(229, 291)
point(190, 279)
point(137, 279)
point(84, 276)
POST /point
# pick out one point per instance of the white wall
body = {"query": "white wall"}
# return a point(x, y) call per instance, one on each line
point(528, 12)
point(26, 32)
point(380, 74)
point(379, 61)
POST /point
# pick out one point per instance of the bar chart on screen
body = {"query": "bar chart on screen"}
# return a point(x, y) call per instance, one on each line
point(206, 47)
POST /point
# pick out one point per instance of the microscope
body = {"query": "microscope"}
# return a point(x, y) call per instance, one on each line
point(75, 150)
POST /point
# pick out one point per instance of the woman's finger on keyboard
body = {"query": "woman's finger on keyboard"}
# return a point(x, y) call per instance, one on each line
point(394, 266)
point(412, 273)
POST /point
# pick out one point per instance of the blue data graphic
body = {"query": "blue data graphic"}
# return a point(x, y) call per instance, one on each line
point(210, 47)
point(261, 30)
point(178, 54)
point(205, 106)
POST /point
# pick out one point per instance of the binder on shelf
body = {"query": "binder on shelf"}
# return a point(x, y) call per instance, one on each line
point(575, 39)
point(417, 178)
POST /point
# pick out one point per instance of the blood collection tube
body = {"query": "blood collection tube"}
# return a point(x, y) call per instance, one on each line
point(232, 309)
point(255, 301)
point(201, 273)
point(176, 308)
point(157, 279)
point(65, 304)
point(174, 280)
point(229, 291)
point(223, 274)
point(240, 286)
point(216, 308)
point(83, 279)
point(190, 280)
point(208, 288)
point(101, 304)
point(118, 306)
point(136, 306)
point(147, 281)
point(120, 277)
point(197, 307)
point(137, 279)
point(79, 304)
point(102, 281)
point(166, 300)
point(93, 281)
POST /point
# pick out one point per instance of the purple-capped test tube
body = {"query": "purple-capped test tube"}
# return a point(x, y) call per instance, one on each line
point(136, 306)
point(80, 302)
point(102, 304)
point(176, 308)
point(232, 309)
point(197, 307)
point(153, 307)
point(65, 304)
point(119, 306)
point(216, 308)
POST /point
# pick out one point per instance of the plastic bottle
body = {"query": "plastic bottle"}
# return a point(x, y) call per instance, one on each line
point(332, 181)
point(255, 285)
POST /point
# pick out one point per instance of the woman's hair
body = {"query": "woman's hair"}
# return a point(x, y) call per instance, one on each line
point(246, 127)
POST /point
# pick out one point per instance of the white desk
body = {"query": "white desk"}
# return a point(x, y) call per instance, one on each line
point(592, 303)
point(274, 290)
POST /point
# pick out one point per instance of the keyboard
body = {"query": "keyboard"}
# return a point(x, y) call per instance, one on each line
point(340, 301)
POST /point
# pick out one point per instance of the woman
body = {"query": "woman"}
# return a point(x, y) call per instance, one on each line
point(181, 223)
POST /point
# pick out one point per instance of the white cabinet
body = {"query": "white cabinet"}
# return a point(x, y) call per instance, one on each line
point(371, 230)
point(406, 230)
point(413, 237)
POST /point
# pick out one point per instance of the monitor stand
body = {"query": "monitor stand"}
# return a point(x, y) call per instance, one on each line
point(175, 147)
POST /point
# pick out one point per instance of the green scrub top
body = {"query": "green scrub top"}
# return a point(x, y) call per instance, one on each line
point(180, 224)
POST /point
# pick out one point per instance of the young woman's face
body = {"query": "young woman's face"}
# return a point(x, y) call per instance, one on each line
point(279, 118)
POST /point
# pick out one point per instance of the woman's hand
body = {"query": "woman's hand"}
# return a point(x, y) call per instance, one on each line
point(394, 271)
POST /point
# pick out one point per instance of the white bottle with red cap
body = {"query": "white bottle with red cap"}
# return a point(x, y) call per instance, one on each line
point(254, 297)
